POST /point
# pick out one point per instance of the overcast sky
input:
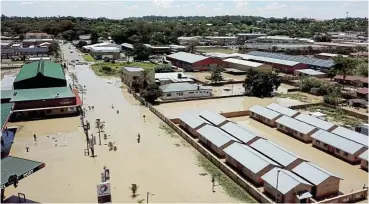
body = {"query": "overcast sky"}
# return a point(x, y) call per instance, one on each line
point(137, 8)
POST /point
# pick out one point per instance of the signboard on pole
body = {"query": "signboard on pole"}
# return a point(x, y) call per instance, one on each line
point(103, 192)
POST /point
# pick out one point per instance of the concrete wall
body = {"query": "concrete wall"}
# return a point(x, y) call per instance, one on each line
point(300, 136)
point(348, 198)
point(235, 114)
point(261, 119)
point(253, 191)
point(327, 188)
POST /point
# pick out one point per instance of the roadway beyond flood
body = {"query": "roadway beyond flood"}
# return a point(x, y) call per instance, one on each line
point(160, 164)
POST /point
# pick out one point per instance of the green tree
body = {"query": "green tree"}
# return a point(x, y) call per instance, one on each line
point(216, 75)
point(141, 52)
point(261, 84)
point(151, 93)
point(54, 49)
point(94, 37)
point(192, 46)
point(162, 68)
point(344, 65)
point(81, 43)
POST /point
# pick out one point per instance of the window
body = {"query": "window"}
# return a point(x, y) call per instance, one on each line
point(180, 93)
point(48, 111)
point(135, 77)
point(190, 92)
point(325, 145)
point(337, 151)
point(169, 94)
point(317, 142)
point(345, 153)
point(62, 110)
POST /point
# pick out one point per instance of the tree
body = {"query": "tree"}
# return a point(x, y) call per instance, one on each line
point(192, 46)
point(331, 73)
point(21, 37)
point(274, 49)
point(54, 49)
point(216, 75)
point(162, 68)
point(344, 65)
point(361, 69)
point(81, 43)
point(94, 38)
point(141, 52)
point(261, 84)
point(151, 93)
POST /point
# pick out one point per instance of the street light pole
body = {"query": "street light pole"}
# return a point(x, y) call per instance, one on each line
point(276, 195)
point(147, 196)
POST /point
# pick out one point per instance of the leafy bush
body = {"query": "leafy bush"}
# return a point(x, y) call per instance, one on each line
point(323, 87)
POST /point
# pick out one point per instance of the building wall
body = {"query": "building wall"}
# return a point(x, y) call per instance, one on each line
point(337, 152)
point(100, 55)
point(129, 77)
point(190, 130)
point(202, 65)
point(364, 164)
point(296, 134)
point(186, 94)
point(327, 188)
point(45, 103)
point(289, 197)
point(260, 118)
point(262, 68)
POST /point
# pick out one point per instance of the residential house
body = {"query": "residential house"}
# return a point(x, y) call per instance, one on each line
point(213, 118)
point(283, 110)
point(192, 62)
point(296, 128)
point(327, 56)
point(240, 133)
point(191, 123)
point(264, 115)
point(364, 160)
point(356, 81)
point(316, 122)
point(31, 35)
point(286, 187)
point(325, 184)
point(157, 50)
point(242, 37)
point(177, 91)
point(362, 93)
point(131, 74)
point(172, 77)
point(250, 163)
point(127, 47)
point(245, 65)
point(187, 40)
point(103, 44)
point(85, 37)
point(221, 40)
point(215, 139)
point(338, 146)
point(283, 157)
point(105, 52)
point(35, 42)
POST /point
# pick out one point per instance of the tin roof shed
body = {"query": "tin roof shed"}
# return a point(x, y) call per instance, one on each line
point(214, 118)
point(294, 124)
point(312, 173)
point(282, 110)
point(214, 135)
point(314, 121)
point(265, 112)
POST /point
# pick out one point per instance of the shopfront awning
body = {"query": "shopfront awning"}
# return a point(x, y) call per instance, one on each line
point(17, 166)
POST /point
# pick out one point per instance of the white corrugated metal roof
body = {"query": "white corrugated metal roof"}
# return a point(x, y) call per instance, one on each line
point(192, 121)
point(184, 86)
point(312, 173)
point(295, 124)
point(265, 112)
point(214, 135)
point(243, 62)
point(269, 60)
point(337, 141)
point(311, 72)
point(351, 135)
point(286, 180)
point(274, 152)
point(187, 57)
point(314, 121)
point(249, 158)
point(104, 49)
point(281, 109)
point(238, 132)
point(214, 118)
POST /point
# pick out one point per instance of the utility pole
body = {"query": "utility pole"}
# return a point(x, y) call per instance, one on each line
point(87, 140)
point(347, 14)
point(99, 126)
point(276, 195)
point(147, 196)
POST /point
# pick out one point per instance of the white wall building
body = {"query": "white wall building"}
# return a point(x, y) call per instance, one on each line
point(176, 91)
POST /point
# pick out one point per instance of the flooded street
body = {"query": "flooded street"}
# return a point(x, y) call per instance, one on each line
point(159, 164)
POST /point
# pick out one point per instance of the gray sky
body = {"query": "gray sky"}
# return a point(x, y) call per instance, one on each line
point(122, 9)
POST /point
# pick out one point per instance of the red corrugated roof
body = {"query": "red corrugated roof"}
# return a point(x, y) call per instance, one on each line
point(352, 78)
point(78, 99)
point(363, 90)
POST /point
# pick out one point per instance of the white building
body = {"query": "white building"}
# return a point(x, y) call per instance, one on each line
point(105, 52)
point(245, 65)
point(105, 44)
point(175, 91)
point(172, 77)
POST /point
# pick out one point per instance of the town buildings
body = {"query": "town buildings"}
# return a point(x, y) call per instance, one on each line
point(192, 62)
point(105, 52)
point(324, 183)
point(296, 128)
point(157, 50)
point(31, 35)
point(243, 37)
point(316, 122)
point(221, 40)
point(286, 187)
point(327, 56)
point(283, 110)
point(264, 115)
point(191, 123)
point(250, 163)
point(131, 74)
point(172, 77)
point(177, 91)
point(213, 118)
point(310, 73)
point(245, 65)
point(104, 44)
point(187, 40)
point(362, 93)
point(364, 160)
point(356, 81)
point(243, 135)
point(341, 147)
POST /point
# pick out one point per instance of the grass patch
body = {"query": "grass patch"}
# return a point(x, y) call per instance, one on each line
point(229, 186)
point(113, 69)
point(295, 96)
point(173, 134)
point(336, 115)
point(219, 50)
point(88, 58)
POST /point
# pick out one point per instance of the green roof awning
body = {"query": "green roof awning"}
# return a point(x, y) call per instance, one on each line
point(41, 94)
point(6, 109)
point(6, 94)
point(17, 166)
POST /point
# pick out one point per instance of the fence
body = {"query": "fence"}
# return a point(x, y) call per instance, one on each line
point(236, 114)
point(254, 192)
point(348, 198)
point(202, 98)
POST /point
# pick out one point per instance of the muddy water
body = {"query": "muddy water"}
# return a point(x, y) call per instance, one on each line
point(156, 164)
point(352, 175)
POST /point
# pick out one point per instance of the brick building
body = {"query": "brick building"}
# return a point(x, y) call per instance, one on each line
point(295, 128)
point(192, 62)
point(264, 115)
